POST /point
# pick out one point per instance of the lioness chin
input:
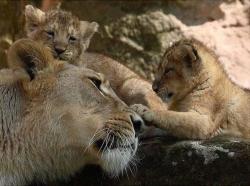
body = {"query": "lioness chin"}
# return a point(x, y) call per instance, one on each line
point(68, 38)
point(56, 118)
point(203, 102)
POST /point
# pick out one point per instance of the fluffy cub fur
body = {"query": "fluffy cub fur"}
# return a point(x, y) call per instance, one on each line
point(62, 32)
point(57, 27)
point(203, 102)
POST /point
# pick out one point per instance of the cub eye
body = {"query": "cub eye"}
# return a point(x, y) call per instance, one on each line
point(96, 82)
point(72, 38)
point(170, 70)
point(51, 34)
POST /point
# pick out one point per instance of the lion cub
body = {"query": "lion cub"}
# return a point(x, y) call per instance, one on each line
point(203, 102)
point(68, 38)
point(62, 32)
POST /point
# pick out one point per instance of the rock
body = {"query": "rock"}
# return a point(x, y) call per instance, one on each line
point(165, 161)
point(229, 37)
point(11, 26)
point(140, 39)
point(137, 33)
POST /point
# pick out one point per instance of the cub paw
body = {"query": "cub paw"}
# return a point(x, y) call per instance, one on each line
point(143, 111)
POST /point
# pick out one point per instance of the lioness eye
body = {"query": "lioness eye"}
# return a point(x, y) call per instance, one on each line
point(96, 82)
point(71, 38)
point(51, 34)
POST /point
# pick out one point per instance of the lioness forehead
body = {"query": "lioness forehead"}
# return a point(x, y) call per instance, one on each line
point(62, 20)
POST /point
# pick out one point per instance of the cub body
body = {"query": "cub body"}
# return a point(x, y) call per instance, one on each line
point(203, 102)
point(48, 28)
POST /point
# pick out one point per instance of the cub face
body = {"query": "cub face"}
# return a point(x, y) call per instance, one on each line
point(177, 71)
point(63, 33)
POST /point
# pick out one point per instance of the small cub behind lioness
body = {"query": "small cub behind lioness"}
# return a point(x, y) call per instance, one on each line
point(68, 38)
point(62, 32)
point(203, 102)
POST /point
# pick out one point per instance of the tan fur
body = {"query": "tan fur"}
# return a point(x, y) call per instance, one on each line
point(59, 29)
point(202, 100)
point(130, 87)
point(56, 117)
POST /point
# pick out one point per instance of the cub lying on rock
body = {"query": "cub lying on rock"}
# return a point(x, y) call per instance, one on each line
point(56, 117)
point(68, 38)
point(203, 102)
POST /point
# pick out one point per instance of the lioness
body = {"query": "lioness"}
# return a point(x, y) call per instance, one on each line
point(203, 102)
point(65, 34)
point(56, 117)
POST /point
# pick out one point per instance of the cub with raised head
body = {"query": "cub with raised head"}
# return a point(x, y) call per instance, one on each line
point(203, 102)
point(56, 117)
point(62, 32)
point(57, 28)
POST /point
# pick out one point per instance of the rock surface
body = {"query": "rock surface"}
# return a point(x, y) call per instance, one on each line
point(229, 37)
point(165, 161)
point(137, 33)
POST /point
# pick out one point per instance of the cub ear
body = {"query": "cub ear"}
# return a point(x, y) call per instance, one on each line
point(189, 55)
point(34, 17)
point(88, 29)
point(30, 56)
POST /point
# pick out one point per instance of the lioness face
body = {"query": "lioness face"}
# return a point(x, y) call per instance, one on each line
point(65, 34)
point(95, 120)
point(176, 72)
point(77, 109)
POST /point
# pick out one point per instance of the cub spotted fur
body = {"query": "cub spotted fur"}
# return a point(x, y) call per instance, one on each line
point(58, 26)
point(56, 117)
point(64, 33)
point(202, 100)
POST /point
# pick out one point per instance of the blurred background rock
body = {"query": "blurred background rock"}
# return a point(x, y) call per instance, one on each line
point(137, 32)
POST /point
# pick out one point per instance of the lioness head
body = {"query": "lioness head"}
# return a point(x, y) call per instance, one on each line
point(65, 34)
point(177, 71)
point(71, 114)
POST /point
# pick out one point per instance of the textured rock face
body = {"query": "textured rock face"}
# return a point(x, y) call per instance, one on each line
point(137, 33)
point(229, 37)
point(165, 161)
point(140, 39)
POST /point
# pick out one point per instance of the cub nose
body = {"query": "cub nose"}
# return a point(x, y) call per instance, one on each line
point(60, 49)
point(137, 122)
point(155, 87)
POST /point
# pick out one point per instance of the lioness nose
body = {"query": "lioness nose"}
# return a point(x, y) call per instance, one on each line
point(137, 123)
point(60, 49)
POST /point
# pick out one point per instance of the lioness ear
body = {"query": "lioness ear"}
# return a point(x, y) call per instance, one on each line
point(88, 30)
point(34, 17)
point(29, 55)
